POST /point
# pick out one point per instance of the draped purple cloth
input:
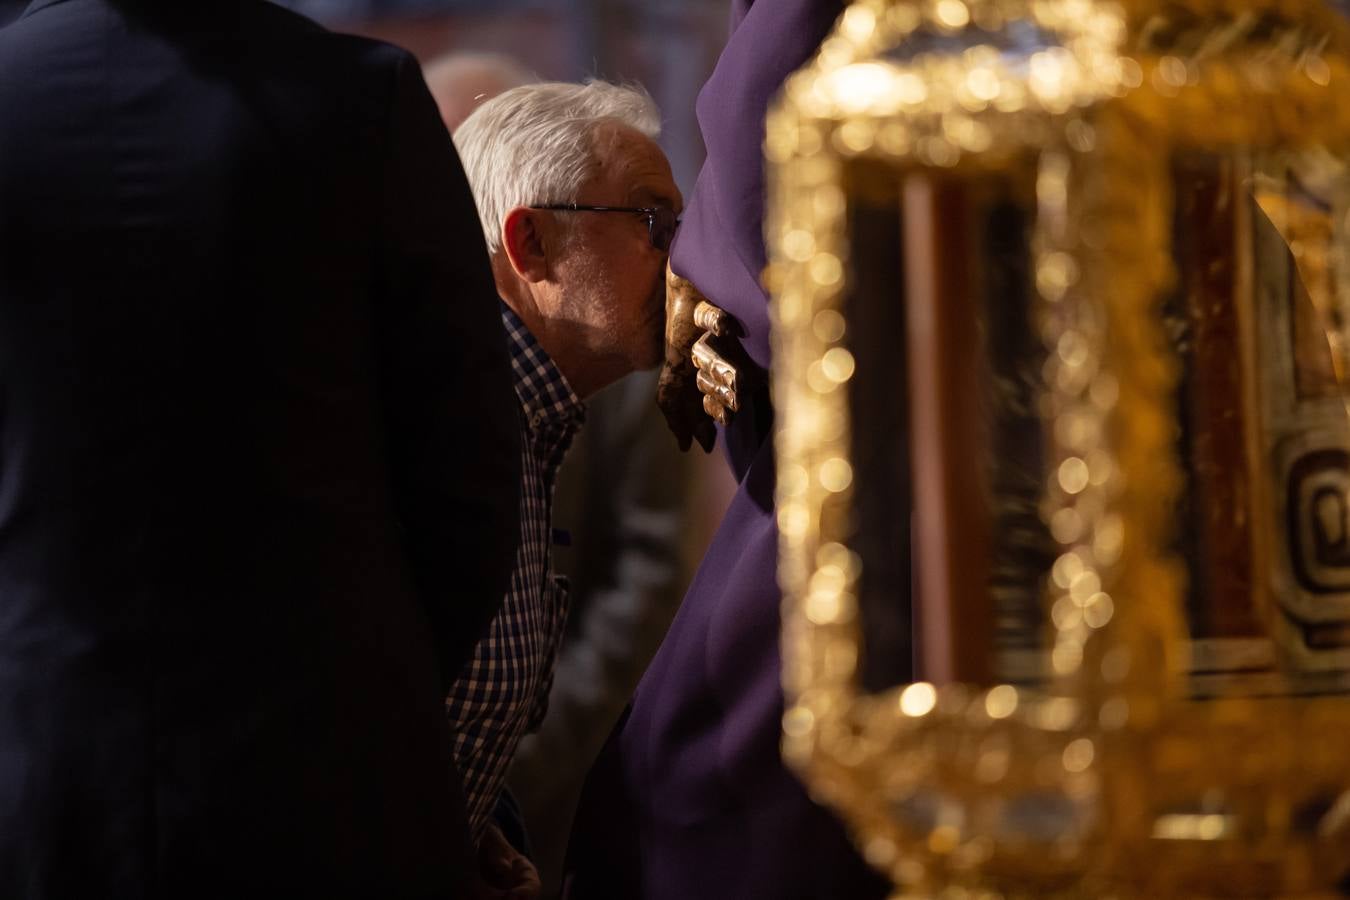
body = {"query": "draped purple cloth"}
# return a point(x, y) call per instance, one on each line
point(690, 798)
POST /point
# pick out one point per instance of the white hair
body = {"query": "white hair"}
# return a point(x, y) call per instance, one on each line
point(535, 144)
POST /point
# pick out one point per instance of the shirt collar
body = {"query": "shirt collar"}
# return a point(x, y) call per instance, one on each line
point(548, 401)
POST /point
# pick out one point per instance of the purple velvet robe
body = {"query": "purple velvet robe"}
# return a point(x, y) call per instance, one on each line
point(690, 799)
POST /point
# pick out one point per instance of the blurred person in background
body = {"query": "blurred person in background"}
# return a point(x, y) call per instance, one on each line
point(463, 79)
point(623, 495)
point(246, 539)
point(690, 797)
point(578, 207)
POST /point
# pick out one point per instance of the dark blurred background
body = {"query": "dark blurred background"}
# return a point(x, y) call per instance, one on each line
point(669, 46)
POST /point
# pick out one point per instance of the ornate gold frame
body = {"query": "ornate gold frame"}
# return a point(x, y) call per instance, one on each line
point(1112, 745)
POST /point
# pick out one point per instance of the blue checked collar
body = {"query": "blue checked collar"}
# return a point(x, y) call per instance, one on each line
point(552, 409)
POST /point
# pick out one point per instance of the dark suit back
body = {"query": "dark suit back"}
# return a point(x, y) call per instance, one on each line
point(243, 538)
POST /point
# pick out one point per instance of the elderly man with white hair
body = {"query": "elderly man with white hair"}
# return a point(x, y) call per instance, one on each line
point(579, 207)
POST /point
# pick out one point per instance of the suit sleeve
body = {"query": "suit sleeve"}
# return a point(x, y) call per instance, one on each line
point(453, 438)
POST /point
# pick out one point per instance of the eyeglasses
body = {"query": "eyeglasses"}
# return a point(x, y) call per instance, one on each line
point(661, 221)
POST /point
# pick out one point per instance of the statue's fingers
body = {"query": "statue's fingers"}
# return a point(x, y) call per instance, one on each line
point(712, 319)
point(725, 395)
point(706, 357)
point(702, 354)
point(714, 408)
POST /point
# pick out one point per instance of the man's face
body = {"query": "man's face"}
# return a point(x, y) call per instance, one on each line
point(612, 278)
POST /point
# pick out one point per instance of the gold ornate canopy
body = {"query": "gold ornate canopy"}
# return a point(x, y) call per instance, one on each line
point(1067, 279)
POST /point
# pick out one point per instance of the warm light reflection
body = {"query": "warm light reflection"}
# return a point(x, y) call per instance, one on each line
point(918, 699)
point(1192, 827)
point(1001, 701)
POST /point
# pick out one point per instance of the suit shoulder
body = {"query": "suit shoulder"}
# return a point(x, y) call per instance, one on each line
point(368, 53)
point(374, 51)
point(378, 58)
point(273, 16)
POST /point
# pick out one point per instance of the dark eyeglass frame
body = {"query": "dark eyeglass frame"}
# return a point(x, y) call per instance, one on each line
point(661, 221)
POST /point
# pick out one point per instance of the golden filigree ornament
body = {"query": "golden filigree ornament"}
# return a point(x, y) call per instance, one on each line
point(1061, 304)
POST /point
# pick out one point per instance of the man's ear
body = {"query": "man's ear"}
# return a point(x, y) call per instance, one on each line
point(526, 243)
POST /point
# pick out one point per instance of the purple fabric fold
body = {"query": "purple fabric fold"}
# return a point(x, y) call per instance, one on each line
point(690, 797)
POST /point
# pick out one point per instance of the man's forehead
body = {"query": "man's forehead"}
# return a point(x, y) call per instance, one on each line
point(636, 165)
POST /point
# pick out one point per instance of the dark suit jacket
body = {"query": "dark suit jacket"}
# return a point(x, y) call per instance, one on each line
point(245, 534)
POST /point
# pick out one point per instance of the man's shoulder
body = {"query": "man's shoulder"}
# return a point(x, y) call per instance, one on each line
point(370, 53)
point(262, 23)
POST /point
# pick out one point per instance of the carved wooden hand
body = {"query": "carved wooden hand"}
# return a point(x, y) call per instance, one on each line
point(698, 383)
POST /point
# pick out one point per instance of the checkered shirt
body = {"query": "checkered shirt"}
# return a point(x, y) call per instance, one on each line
point(503, 691)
